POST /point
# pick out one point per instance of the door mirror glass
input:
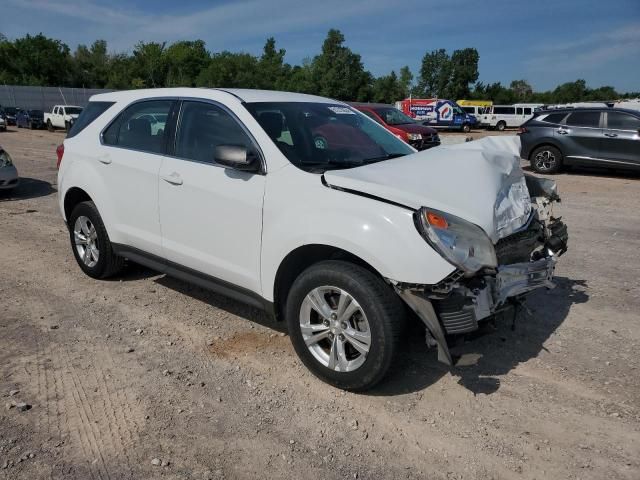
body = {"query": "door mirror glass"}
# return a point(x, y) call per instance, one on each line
point(236, 156)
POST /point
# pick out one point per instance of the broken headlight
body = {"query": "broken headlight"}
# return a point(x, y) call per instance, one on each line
point(5, 159)
point(461, 243)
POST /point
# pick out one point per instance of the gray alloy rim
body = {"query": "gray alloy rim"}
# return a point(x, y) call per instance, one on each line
point(335, 329)
point(545, 160)
point(86, 240)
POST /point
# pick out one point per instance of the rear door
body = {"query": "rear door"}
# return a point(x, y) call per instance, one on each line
point(621, 139)
point(211, 216)
point(130, 156)
point(580, 136)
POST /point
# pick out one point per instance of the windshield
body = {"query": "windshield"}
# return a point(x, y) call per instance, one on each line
point(393, 116)
point(36, 113)
point(10, 110)
point(322, 136)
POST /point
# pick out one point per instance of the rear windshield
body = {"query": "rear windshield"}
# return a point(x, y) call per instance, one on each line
point(88, 115)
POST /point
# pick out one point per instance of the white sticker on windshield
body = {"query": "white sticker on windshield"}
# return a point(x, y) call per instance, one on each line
point(342, 110)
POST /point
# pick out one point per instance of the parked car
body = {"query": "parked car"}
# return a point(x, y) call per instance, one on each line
point(339, 243)
point(3, 123)
point(439, 113)
point(501, 117)
point(402, 126)
point(61, 116)
point(30, 119)
point(10, 115)
point(8, 173)
point(590, 137)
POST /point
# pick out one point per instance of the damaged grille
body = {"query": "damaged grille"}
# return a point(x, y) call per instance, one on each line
point(518, 247)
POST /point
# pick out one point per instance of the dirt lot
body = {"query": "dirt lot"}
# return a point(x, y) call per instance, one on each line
point(119, 373)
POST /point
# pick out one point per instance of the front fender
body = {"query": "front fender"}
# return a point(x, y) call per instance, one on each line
point(381, 234)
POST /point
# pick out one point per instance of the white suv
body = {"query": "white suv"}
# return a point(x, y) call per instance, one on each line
point(301, 205)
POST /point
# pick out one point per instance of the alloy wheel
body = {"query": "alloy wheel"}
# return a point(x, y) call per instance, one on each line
point(545, 160)
point(335, 329)
point(86, 241)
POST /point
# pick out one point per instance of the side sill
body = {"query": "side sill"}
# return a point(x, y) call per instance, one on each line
point(195, 277)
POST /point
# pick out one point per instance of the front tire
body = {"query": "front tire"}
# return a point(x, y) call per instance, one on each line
point(49, 126)
point(90, 242)
point(546, 159)
point(466, 128)
point(345, 324)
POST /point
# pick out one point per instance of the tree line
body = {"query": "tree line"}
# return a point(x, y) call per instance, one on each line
point(336, 72)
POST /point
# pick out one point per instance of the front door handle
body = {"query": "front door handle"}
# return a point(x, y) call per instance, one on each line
point(562, 132)
point(173, 179)
point(106, 160)
point(611, 135)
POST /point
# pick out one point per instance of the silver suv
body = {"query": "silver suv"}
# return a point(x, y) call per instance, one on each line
point(602, 137)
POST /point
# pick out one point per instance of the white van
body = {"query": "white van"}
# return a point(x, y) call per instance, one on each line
point(475, 110)
point(508, 116)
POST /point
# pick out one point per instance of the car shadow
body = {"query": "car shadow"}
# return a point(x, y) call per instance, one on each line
point(494, 350)
point(27, 188)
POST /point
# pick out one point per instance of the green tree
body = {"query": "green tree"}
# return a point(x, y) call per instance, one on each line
point(226, 69)
point(91, 65)
point(35, 60)
point(570, 92)
point(272, 69)
point(149, 65)
point(464, 72)
point(184, 61)
point(338, 72)
point(521, 90)
point(387, 89)
point(405, 82)
point(435, 73)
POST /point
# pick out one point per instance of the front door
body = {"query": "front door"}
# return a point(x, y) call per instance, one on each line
point(211, 216)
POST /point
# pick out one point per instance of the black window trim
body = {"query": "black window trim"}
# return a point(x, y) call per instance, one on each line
point(606, 122)
point(175, 126)
point(174, 101)
point(600, 120)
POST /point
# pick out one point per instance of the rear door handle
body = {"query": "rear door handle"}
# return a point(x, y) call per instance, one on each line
point(610, 135)
point(173, 179)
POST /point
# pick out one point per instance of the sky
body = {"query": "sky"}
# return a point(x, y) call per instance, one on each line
point(546, 42)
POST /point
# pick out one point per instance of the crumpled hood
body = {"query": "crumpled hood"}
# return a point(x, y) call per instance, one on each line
point(480, 181)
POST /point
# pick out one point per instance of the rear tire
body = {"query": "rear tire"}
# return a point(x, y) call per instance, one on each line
point(371, 313)
point(88, 234)
point(546, 159)
point(501, 126)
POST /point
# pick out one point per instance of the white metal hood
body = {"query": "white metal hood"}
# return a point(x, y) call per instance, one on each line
point(479, 181)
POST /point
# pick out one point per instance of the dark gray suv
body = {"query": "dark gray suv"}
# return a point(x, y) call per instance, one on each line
point(604, 137)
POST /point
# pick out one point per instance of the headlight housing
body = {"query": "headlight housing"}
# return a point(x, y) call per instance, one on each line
point(5, 159)
point(414, 136)
point(460, 242)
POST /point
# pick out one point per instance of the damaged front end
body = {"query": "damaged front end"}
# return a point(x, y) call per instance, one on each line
point(488, 278)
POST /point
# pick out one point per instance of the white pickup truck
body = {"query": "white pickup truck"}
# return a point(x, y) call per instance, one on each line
point(61, 116)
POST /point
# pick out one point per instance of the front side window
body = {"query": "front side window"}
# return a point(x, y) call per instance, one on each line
point(584, 119)
point(204, 126)
point(622, 121)
point(326, 136)
point(142, 126)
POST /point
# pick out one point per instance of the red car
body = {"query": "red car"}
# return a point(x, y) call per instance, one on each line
point(402, 126)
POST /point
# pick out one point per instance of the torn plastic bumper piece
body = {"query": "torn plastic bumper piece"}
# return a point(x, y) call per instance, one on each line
point(424, 309)
point(518, 278)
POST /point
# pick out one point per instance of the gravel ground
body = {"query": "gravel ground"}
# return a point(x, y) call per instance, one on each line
point(148, 377)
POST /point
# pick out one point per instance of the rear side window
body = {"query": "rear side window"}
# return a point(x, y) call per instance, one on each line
point(519, 110)
point(88, 115)
point(554, 118)
point(622, 121)
point(584, 119)
point(142, 126)
point(204, 126)
point(527, 111)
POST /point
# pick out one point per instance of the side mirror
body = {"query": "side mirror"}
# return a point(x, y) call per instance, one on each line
point(237, 157)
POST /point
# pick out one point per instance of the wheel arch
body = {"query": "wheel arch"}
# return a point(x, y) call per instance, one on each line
point(73, 197)
point(302, 258)
point(545, 143)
